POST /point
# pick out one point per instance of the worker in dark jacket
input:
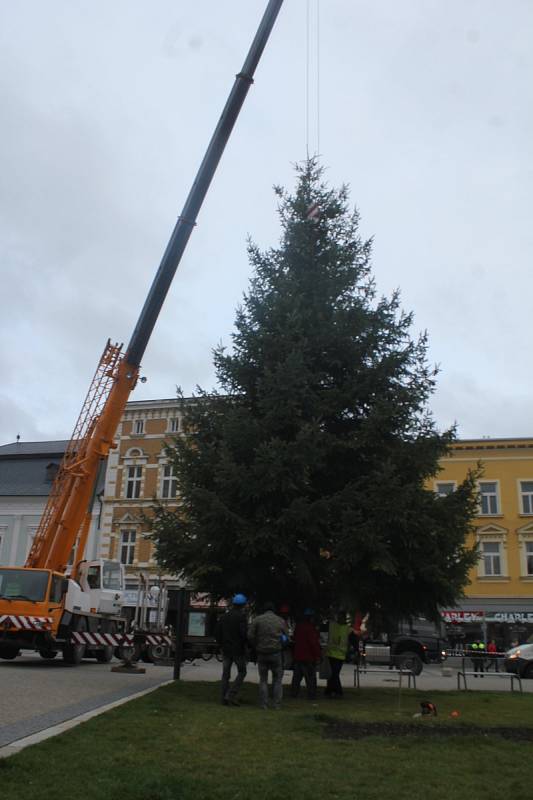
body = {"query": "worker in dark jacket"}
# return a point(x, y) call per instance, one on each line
point(477, 657)
point(268, 633)
point(306, 655)
point(232, 635)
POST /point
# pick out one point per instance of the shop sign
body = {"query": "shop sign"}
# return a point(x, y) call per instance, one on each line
point(523, 617)
point(202, 600)
point(451, 617)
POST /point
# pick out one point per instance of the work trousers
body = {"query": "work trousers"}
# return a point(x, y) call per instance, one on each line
point(230, 692)
point(307, 670)
point(270, 662)
point(478, 664)
point(334, 686)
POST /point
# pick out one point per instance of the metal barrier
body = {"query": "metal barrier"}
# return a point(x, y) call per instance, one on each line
point(364, 670)
point(463, 674)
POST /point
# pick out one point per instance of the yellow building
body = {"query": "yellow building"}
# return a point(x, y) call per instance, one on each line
point(499, 598)
point(137, 472)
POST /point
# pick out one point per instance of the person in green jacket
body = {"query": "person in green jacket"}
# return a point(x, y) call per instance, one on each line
point(336, 653)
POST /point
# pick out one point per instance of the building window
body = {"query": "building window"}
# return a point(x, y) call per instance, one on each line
point(51, 471)
point(127, 547)
point(526, 493)
point(133, 482)
point(492, 562)
point(488, 498)
point(138, 426)
point(444, 488)
point(56, 589)
point(72, 556)
point(174, 425)
point(31, 536)
point(529, 558)
point(169, 484)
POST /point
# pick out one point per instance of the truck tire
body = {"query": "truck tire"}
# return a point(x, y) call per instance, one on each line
point(74, 653)
point(48, 655)
point(409, 660)
point(159, 652)
point(127, 652)
point(105, 655)
point(9, 653)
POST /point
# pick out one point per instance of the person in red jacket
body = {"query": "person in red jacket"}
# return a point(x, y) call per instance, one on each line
point(306, 655)
point(492, 650)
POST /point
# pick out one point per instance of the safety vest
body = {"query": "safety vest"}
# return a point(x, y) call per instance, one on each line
point(337, 640)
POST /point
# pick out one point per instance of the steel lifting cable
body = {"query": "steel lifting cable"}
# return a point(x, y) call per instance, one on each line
point(307, 59)
point(318, 77)
point(316, 48)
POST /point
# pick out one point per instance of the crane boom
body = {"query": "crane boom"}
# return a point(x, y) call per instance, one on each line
point(66, 518)
point(187, 219)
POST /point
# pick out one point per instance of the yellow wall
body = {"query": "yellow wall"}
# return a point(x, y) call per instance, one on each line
point(506, 462)
point(145, 450)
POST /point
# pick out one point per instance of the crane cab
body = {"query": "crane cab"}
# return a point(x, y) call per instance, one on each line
point(103, 581)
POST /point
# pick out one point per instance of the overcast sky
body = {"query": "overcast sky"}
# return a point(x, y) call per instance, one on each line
point(107, 107)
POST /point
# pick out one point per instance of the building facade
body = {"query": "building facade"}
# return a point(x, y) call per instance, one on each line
point(499, 599)
point(27, 470)
point(138, 472)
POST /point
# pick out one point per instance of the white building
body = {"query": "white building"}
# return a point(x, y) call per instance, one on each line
point(27, 470)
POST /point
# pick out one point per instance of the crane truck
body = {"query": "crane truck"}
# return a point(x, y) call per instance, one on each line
point(44, 605)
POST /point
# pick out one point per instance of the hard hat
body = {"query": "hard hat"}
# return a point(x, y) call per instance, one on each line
point(309, 612)
point(474, 645)
point(481, 645)
point(239, 600)
point(284, 609)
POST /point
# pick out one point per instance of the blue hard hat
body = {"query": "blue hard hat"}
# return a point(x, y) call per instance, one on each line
point(239, 600)
point(309, 612)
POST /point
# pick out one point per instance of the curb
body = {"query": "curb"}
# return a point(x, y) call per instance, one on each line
point(18, 745)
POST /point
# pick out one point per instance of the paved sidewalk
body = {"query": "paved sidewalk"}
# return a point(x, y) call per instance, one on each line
point(37, 695)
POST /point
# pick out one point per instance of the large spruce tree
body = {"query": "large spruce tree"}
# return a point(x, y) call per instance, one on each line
point(306, 476)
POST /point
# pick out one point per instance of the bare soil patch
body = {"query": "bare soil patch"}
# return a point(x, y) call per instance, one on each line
point(343, 729)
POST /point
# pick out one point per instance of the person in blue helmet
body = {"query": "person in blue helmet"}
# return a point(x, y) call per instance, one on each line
point(232, 636)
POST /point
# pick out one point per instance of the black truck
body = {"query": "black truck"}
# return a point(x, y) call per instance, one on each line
point(410, 645)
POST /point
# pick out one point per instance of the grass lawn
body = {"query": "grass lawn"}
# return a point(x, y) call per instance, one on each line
point(178, 743)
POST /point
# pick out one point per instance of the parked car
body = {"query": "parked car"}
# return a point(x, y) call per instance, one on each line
point(520, 660)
